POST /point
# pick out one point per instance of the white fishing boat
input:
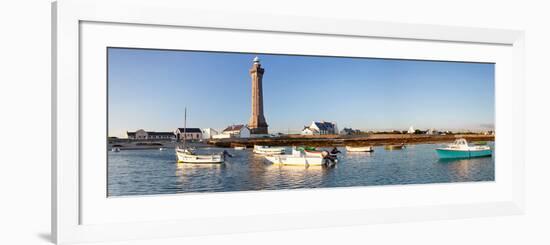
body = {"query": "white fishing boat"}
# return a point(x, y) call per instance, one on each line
point(461, 149)
point(187, 155)
point(268, 151)
point(359, 148)
point(299, 158)
point(115, 149)
point(239, 148)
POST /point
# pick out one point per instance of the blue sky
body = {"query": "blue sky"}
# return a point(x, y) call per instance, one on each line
point(149, 89)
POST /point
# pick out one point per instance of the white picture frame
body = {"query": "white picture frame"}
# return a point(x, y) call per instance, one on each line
point(71, 187)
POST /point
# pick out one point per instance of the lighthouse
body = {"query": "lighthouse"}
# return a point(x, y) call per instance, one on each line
point(257, 123)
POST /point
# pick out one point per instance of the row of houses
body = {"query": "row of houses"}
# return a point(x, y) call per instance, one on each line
point(242, 131)
point(322, 127)
point(233, 131)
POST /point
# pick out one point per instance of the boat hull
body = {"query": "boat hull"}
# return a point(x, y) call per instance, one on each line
point(268, 151)
point(199, 159)
point(359, 149)
point(313, 153)
point(296, 161)
point(394, 147)
point(452, 153)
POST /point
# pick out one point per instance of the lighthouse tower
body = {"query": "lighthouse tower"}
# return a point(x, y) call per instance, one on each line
point(257, 123)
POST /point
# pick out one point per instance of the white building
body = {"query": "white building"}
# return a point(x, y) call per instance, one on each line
point(308, 131)
point(234, 131)
point(431, 131)
point(208, 133)
point(150, 135)
point(317, 128)
point(190, 133)
point(411, 130)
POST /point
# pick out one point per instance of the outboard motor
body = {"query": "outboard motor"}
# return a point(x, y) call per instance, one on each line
point(330, 160)
point(225, 153)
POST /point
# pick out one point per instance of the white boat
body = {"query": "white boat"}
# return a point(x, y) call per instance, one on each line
point(115, 149)
point(161, 149)
point(268, 151)
point(359, 148)
point(239, 148)
point(461, 149)
point(297, 158)
point(188, 155)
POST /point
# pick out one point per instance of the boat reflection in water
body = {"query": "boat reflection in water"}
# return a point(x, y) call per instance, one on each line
point(459, 169)
point(293, 176)
point(183, 167)
point(143, 172)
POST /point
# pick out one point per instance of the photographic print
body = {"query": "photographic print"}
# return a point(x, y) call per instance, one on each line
point(204, 121)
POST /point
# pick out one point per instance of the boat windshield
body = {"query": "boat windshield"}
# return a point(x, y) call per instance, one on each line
point(461, 142)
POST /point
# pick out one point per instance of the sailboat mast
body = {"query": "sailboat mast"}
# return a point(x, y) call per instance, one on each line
point(185, 126)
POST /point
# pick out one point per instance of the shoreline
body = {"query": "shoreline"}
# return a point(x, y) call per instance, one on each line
point(134, 146)
point(336, 140)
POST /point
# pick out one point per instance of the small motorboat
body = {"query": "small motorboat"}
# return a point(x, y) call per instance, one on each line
point(359, 148)
point(268, 151)
point(394, 147)
point(188, 155)
point(161, 149)
point(239, 148)
point(115, 149)
point(461, 149)
point(299, 158)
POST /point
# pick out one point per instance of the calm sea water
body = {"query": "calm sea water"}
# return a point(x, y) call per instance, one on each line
point(144, 172)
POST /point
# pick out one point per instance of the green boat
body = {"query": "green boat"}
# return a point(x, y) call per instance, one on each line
point(461, 149)
point(394, 147)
